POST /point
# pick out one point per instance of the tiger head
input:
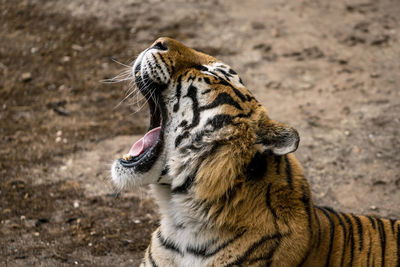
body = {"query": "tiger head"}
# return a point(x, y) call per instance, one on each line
point(205, 126)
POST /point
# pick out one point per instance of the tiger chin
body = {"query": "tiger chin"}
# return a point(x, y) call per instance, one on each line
point(230, 193)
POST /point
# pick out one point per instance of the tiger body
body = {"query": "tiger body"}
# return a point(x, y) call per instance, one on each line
point(229, 190)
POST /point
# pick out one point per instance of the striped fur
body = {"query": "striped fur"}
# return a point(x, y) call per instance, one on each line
point(229, 190)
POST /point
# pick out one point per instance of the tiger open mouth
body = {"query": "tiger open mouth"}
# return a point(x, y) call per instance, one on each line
point(144, 152)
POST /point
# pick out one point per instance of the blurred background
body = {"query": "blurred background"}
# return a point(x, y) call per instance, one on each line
point(328, 68)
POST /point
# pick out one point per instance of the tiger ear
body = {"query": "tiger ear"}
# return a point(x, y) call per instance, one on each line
point(278, 138)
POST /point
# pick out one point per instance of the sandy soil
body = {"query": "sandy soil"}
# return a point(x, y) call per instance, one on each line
point(328, 68)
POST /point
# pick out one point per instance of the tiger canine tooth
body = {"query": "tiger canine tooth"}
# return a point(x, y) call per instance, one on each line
point(127, 157)
point(137, 74)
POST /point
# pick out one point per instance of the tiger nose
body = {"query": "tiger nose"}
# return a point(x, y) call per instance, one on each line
point(160, 44)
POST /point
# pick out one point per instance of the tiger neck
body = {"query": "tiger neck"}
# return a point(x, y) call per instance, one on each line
point(274, 198)
point(272, 189)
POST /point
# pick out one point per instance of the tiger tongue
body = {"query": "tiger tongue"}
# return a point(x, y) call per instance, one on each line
point(145, 142)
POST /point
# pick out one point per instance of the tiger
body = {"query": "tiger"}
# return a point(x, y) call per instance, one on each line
point(230, 191)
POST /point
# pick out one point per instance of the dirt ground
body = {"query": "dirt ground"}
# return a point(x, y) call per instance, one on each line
point(328, 68)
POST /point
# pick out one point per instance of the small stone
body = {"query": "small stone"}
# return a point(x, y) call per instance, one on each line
point(34, 50)
point(65, 140)
point(59, 133)
point(273, 85)
point(22, 217)
point(26, 76)
point(104, 65)
point(257, 25)
point(374, 75)
point(36, 233)
point(90, 244)
point(137, 221)
point(58, 139)
point(373, 207)
point(65, 59)
point(76, 204)
point(77, 47)
point(346, 133)
point(275, 33)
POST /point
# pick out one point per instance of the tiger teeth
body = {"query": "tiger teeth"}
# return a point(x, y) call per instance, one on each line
point(127, 157)
point(137, 74)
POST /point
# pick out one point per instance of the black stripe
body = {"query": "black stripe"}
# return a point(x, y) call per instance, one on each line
point(351, 236)
point(331, 234)
point(257, 168)
point(372, 220)
point(165, 170)
point(344, 232)
point(243, 98)
point(206, 91)
point(183, 123)
point(152, 261)
point(178, 93)
point(231, 71)
point(184, 188)
point(192, 94)
point(392, 224)
point(267, 257)
point(221, 120)
point(200, 67)
point(191, 78)
point(289, 177)
point(360, 232)
point(202, 251)
point(180, 137)
point(168, 244)
point(382, 237)
point(277, 160)
point(172, 66)
point(207, 80)
point(221, 99)
point(307, 206)
point(268, 201)
point(239, 94)
point(241, 259)
point(226, 74)
point(158, 66)
point(163, 60)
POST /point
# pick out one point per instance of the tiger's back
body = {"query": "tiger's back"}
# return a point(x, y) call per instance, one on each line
point(355, 240)
point(229, 190)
